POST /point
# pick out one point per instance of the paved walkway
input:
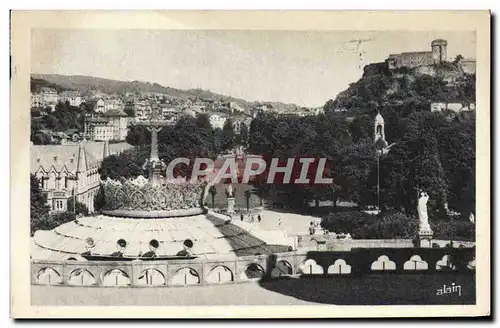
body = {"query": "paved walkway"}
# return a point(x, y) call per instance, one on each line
point(249, 293)
point(293, 224)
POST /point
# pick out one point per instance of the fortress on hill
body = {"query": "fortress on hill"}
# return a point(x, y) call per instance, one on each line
point(438, 54)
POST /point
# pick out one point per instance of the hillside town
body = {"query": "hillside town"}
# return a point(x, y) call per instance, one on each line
point(107, 116)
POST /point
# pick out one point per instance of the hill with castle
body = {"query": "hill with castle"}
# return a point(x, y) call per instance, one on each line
point(410, 81)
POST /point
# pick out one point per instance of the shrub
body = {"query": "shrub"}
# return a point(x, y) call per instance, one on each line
point(344, 222)
point(463, 230)
point(391, 226)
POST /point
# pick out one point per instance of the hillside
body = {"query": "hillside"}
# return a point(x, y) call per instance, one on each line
point(404, 90)
point(85, 84)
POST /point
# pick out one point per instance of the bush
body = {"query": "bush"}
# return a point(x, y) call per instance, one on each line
point(346, 222)
point(462, 230)
point(391, 226)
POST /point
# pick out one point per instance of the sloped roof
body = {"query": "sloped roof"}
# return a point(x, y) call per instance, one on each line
point(68, 155)
point(115, 112)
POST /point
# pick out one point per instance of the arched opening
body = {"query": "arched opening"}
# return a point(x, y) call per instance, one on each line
point(81, 277)
point(48, 276)
point(283, 268)
point(220, 274)
point(151, 277)
point(116, 277)
point(340, 266)
point(252, 271)
point(186, 276)
point(310, 267)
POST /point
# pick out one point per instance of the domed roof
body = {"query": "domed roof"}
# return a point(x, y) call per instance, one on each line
point(439, 42)
point(379, 119)
point(212, 236)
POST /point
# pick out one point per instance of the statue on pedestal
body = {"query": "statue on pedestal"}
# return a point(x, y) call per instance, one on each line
point(230, 191)
point(422, 211)
point(424, 232)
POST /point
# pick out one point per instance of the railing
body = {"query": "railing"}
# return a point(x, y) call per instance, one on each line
point(203, 272)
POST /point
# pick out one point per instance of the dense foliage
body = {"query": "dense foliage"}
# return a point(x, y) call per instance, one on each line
point(63, 118)
point(189, 137)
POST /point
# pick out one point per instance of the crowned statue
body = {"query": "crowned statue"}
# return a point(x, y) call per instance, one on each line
point(422, 211)
point(425, 232)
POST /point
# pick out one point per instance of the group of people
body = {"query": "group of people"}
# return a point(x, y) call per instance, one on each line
point(252, 218)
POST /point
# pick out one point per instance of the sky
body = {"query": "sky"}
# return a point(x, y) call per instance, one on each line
point(302, 67)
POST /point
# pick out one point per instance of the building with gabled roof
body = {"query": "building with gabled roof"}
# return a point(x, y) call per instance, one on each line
point(71, 170)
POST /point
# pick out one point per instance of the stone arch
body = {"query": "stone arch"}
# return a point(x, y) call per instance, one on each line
point(115, 277)
point(445, 264)
point(340, 266)
point(151, 277)
point(186, 276)
point(252, 271)
point(48, 276)
point(219, 274)
point(310, 266)
point(81, 277)
point(415, 263)
point(282, 268)
point(383, 263)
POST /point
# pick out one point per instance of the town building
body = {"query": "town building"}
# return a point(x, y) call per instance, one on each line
point(49, 96)
point(112, 125)
point(36, 100)
point(73, 97)
point(93, 105)
point(239, 121)
point(113, 104)
point(217, 120)
point(455, 107)
point(119, 122)
point(71, 171)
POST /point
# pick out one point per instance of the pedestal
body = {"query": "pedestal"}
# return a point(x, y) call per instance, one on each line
point(425, 237)
point(230, 205)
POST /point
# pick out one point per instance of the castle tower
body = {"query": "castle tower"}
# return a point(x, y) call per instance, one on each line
point(439, 50)
point(379, 132)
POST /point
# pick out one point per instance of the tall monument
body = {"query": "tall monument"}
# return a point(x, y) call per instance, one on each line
point(424, 229)
point(154, 123)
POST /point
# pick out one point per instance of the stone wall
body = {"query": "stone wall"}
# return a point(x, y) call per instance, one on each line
point(201, 272)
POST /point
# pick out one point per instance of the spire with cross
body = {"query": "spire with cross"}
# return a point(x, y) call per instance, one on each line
point(154, 123)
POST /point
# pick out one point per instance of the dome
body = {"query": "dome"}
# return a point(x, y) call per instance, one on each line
point(439, 42)
point(211, 234)
point(379, 119)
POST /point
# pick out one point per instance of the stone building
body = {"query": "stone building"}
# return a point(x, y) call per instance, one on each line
point(67, 171)
point(73, 97)
point(112, 125)
point(420, 58)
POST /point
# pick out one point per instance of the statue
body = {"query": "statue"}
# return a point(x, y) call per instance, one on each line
point(422, 211)
point(230, 191)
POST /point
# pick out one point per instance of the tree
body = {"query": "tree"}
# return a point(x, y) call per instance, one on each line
point(129, 110)
point(457, 59)
point(99, 199)
point(228, 135)
point(39, 209)
point(213, 192)
point(243, 136)
point(77, 208)
point(248, 194)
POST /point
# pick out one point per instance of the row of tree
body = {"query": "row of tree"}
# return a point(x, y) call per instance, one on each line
point(189, 137)
point(431, 152)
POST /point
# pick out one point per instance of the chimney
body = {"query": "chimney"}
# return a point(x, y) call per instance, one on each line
point(106, 149)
